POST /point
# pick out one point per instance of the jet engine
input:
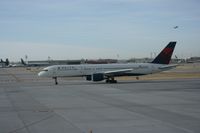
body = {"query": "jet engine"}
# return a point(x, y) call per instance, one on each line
point(98, 77)
point(95, 77)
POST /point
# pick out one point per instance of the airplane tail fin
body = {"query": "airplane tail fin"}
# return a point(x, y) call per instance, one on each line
point(165, 55)
point(7, 62)
point(22, 61)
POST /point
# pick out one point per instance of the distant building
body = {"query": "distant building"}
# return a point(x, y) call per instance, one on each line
point(101, 61)
point(56, 62)
point(139, 60)
point(193, 60)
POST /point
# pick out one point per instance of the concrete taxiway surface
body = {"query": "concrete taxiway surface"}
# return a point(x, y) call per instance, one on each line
point(29, 104)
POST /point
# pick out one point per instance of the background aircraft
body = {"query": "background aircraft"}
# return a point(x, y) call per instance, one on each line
point(35, 64)
point(7, 62)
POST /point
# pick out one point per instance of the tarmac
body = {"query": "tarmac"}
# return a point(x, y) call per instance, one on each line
point(29, 104)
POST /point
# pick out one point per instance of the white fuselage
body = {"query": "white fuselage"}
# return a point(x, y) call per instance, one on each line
point(89, 69)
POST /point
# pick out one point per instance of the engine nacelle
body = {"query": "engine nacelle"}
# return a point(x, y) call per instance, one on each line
point(98, 77)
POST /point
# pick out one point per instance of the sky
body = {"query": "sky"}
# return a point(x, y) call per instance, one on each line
point(93, 29)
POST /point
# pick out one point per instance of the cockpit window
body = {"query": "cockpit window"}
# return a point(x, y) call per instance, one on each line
point(45, 70)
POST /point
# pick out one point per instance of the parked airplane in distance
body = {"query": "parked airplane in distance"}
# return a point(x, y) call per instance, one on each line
point(35, 64)
point(100, 72)
point(7, 62)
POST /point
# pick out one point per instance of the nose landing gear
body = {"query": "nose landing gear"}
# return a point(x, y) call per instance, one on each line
point(56, 81)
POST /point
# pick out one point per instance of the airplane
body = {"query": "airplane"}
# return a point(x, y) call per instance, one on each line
point(35, 64)
point(7, 62)
point(108, 72)
point(175, 27)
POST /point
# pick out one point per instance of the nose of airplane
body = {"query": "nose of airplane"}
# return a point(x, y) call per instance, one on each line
point(41, 74)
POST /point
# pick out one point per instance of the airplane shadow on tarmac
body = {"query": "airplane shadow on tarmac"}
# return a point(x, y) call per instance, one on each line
point(80, 82)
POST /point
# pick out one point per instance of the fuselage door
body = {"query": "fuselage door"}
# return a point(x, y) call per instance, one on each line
point(54, 71)
point(81, 69)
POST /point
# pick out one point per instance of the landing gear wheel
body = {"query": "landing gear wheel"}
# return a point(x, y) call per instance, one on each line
point(56, 81)
point(112, 80)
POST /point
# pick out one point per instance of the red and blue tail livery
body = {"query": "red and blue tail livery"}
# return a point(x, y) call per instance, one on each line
point(165, 55)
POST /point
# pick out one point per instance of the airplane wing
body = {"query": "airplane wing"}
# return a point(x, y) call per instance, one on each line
point(117, 72)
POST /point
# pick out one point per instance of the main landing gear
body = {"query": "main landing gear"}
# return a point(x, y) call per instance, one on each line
point(56, 81)
point(111, 80)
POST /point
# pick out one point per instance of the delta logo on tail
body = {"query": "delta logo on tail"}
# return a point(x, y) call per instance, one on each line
point(165, 55)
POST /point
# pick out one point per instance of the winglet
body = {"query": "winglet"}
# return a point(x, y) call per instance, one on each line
point(165, 55)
